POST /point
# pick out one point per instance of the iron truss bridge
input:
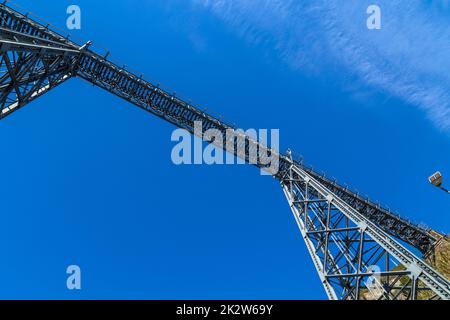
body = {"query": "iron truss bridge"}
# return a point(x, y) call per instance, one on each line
point(359, 249)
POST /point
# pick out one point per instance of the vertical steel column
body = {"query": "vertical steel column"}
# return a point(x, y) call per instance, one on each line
point(354, 258)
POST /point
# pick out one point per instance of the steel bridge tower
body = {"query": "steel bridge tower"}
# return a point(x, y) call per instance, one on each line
point(359, 249)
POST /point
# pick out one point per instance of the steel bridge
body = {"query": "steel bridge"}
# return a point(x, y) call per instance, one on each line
point(359, 249)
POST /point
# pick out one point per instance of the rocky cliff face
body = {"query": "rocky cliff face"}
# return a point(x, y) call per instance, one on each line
point(440, 257)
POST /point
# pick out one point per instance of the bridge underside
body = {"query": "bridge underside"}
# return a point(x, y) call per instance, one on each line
point(351, 240)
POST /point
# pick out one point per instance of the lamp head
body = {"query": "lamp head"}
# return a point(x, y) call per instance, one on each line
point(436, 179)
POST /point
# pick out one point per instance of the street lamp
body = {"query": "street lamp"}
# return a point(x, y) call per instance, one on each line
point(436, 180)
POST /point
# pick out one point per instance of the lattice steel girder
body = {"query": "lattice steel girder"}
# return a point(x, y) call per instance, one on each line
point(16, 22)
point(393, 224)
point(355, 259)
point(33, 36)
point(27, 73)
point(165, 105)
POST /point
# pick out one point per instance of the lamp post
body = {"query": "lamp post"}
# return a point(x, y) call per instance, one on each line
point(436, 180)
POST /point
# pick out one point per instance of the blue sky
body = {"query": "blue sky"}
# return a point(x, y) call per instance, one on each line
point(88, 179)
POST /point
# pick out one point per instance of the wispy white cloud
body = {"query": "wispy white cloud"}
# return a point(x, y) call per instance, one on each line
point(408, 58)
